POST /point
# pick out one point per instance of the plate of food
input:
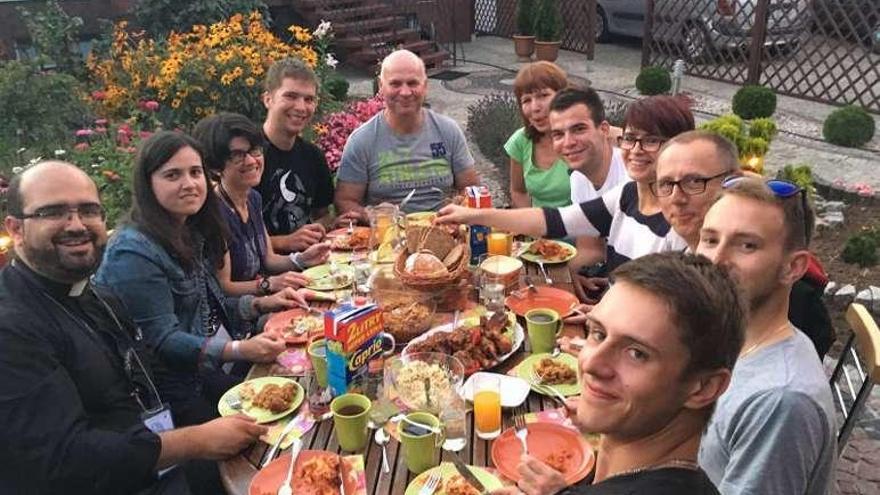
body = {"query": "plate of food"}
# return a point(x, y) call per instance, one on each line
point(548, 251)
point(329, 276)
point(296, 325)
point(453, 483)
point(342, 240)
point(524, 300)
point(480, 343)
point(560, 372)
point(316, 472)
point(265, 399)
point(562, 448)
point(406, 314)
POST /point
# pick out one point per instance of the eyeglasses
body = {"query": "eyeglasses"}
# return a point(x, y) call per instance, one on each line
point(648, 143)
point(690, 185)
point(782, 189)
point(88, 212)
point(237, 157)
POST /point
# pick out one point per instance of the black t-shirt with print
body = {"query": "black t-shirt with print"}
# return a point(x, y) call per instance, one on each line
point(667, 481)
point(295, 183)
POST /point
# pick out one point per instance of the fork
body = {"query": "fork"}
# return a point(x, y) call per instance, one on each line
point(521, 430)
point(547, 279)
point(285, 489)
point(537, 382)
point(431, 484)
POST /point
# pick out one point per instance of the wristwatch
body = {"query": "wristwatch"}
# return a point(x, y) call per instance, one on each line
point(264, 285)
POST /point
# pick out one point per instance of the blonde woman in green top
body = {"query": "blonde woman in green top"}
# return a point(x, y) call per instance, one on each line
point(538, 176)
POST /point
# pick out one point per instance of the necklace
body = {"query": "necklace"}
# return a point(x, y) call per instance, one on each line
point(763, 340)
point(679, 463)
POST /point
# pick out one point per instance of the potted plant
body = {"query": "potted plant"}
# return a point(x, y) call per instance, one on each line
point(548, 30)
point(524, 40)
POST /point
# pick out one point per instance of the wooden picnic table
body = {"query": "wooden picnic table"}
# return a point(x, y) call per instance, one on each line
point(238, 471)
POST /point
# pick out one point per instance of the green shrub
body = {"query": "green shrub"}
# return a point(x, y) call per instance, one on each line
point(849, 126)
point(653, 81)
point(548, 21)
point(860, 249)
point(525, 17)
point(40, 109)
point(55, 36)
point(491, 121)
point(159, 17)
point(337, 86)
point(802, 175)
point(752, 138)
point(754, 101)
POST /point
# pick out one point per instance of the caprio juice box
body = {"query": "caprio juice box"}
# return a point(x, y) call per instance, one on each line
point(353, 339)
point(478, 197)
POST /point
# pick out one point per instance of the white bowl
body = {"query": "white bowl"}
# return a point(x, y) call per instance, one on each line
point(514, 390)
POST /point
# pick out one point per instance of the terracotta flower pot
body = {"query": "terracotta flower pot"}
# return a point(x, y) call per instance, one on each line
point(524, 46)
point(547, 50)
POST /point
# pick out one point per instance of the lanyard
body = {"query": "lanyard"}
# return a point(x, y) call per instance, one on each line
point(127, 358)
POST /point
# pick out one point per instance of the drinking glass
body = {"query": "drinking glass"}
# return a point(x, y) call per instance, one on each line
point(363, 269)
point(382, 217)
point(499, 243)
point(453, 418)
point(487, 406)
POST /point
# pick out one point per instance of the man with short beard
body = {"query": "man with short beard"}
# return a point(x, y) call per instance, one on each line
point(773, 431)
point(79, 410)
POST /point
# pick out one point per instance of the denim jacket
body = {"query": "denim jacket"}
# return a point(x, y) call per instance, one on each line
point(170, 304)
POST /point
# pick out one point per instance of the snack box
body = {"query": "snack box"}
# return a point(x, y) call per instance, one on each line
point(353, 340)
point(478, 197)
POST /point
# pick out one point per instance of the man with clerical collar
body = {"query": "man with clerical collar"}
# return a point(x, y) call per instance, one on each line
point(774, 431)
point(404, 148)
point(660, 348)
point(80, 413)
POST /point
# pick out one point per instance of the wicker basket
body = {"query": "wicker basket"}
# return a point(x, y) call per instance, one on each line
point(456, 272)
point(435, 239)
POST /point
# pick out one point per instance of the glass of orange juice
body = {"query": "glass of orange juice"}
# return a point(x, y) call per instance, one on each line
point(499, 243)
point(487, 405)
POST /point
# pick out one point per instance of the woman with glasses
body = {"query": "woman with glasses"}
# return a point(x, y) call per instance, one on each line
point(628, 217)
point(234, 156)
point(162, 262)
point(538, 176)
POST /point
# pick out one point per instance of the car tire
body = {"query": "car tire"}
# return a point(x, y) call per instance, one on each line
point(697, 46)
point(602, 34)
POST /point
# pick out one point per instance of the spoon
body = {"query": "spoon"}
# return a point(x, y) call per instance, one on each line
point(382, 438)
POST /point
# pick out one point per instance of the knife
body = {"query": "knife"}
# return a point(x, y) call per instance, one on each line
point(466, 473)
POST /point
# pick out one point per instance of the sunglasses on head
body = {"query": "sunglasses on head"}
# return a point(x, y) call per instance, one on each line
point(782, 189)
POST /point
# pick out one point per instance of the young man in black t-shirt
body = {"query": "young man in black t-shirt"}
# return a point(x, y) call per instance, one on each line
point(660, 348)
point(297, 187)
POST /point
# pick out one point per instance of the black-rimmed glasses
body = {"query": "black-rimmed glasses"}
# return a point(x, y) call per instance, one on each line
point(690, 185)
point(88, 212)
point(237, 157)
point(648, 143)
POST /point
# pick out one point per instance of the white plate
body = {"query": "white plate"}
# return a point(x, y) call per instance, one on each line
point(513, 390)
point(518, 337)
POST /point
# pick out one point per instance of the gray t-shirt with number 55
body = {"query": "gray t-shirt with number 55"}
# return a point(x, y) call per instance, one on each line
point(392, 165)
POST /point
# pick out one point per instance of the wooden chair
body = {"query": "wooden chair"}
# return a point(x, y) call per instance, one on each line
point(862, 355)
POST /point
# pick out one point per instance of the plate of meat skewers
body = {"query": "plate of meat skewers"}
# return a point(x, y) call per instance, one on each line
point(480, 343)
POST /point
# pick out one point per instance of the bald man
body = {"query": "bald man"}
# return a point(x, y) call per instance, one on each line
point(405, 147)
point(78, 407)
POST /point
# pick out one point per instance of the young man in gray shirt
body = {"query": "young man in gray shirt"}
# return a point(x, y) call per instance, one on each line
point(404, 147)
point(774, 429)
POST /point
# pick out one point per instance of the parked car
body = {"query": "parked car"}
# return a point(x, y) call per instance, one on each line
point(705, 28)
point(856, 21)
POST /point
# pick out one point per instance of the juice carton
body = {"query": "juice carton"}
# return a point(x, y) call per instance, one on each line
point(354, 338)
point(478, 197)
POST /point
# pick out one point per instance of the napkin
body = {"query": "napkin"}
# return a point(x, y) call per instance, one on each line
point(304, 423)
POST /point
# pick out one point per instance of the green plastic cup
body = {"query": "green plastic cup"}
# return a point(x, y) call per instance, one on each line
point(544, 326)
point(350, 414)
point(318, 356)
point(420, 451)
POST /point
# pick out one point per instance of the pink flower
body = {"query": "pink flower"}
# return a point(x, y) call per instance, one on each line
point(81, 146)
point(145, 134)
point(98, 95)
point(151, 105)
point(84, 132)
point(101, 130)
point(101, 122)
